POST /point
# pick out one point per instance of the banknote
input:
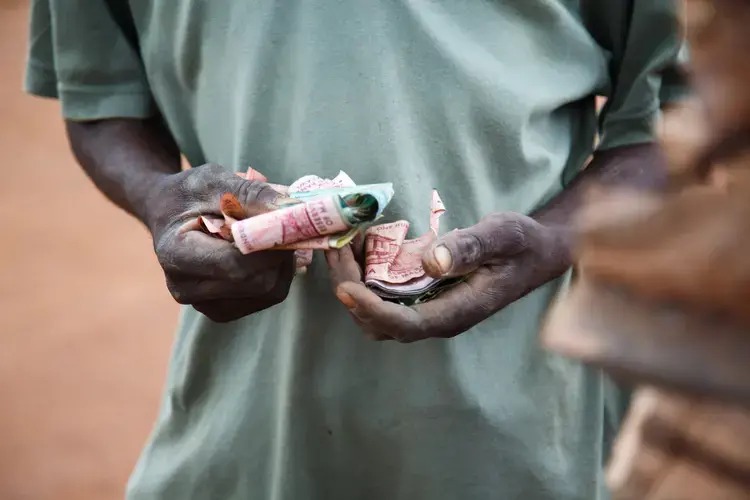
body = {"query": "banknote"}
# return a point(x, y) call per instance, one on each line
point(330, 213)
point(304, 254)
point(314, 183)
point(393, 264)
point(232, 210)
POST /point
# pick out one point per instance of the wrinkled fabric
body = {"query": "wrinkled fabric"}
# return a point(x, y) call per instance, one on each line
point(491, 103)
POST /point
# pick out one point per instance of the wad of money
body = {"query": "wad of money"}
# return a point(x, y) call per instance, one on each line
point(393, 264)
point(318, 219)
point(323, 214)
point(319, 214)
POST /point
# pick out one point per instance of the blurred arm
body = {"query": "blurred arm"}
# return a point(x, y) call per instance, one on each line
point(644, 41)
point(638, 166)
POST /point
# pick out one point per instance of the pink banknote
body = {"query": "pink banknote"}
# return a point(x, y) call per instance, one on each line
point(392, 261)
point(289, 225)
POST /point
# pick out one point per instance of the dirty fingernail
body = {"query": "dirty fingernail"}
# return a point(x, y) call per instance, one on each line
point(346, 299)
point(254, 175)
point(443, 258)
point(280, 202)
point(283, 201)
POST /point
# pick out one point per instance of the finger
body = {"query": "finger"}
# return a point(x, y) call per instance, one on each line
point(453, 312)
point(198, 255)
point(358, 248)
point(369, 331)
point(378, 316)
point(364, 322)
point(209, 182)
point(273, 286)
point(255, 197)
point(188, 290)
point(342, 266)
point(226, 310)
point(463, 306)
point(462, 252)
point(253, 194)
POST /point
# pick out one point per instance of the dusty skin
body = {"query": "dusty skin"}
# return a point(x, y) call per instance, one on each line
point(86, 328)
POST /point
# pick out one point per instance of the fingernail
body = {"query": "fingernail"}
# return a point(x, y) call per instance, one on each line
point(281, 202)
point(443, 258)
point(346, 299)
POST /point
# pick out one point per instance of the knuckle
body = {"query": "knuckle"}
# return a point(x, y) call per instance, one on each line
point(165, 256)
point(505, 232)
point(210, 169)
point(205, 179)
point(264, 284)
point(409, 331)
point(270, 288)
point(470, 247)
point(266, 194)
point(179, 295)
point(161, 247)
point(232, 270)
point(256, 191)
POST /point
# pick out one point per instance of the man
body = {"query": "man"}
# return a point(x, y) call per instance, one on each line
point(275, 390)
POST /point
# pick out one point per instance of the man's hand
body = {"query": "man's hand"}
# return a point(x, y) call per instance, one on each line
point(506, 255)
point(136, 164)
point(209, 273)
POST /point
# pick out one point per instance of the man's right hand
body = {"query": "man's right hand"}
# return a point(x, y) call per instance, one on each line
point(209, 273)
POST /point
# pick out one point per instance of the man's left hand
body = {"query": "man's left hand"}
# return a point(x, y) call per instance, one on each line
point(506, 256)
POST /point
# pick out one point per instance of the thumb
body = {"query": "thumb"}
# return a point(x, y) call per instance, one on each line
point(463, 251)
point(256, 197)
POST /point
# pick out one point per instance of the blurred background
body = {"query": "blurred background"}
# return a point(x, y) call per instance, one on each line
point(86, 323)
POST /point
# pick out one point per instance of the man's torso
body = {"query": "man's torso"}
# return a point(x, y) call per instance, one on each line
point(491, 103)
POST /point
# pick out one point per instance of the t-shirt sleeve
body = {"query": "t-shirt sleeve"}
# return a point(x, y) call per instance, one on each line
point(78, 54)
point(40, 79)
point(644, 70)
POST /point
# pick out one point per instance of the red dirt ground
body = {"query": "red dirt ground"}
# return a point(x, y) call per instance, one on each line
point(85, 321)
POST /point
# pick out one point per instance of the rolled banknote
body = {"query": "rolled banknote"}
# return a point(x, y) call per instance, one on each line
point(315, 214)
point(232, 211)
point(319, 214)
point(309, 183)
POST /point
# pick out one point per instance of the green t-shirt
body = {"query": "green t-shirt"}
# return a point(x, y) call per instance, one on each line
point(490, 102)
